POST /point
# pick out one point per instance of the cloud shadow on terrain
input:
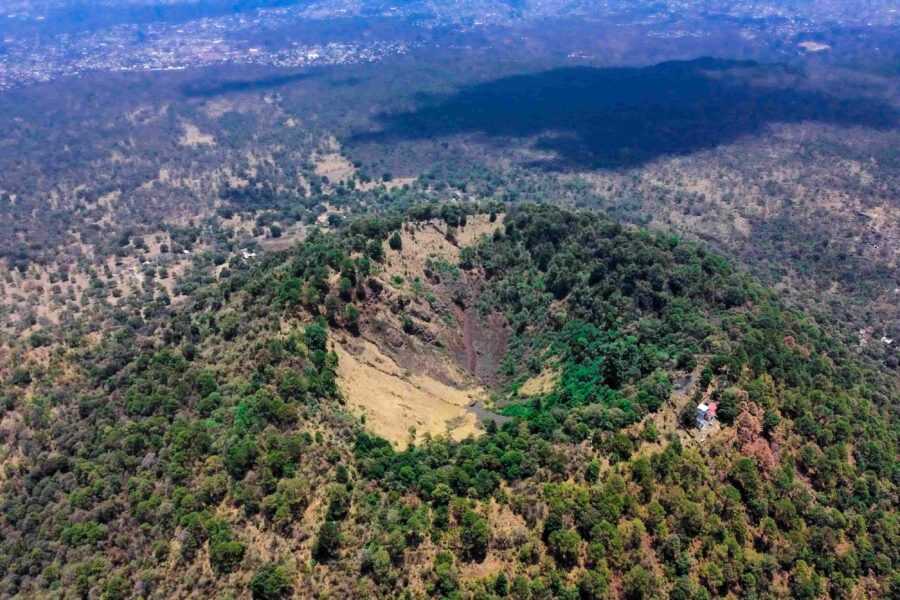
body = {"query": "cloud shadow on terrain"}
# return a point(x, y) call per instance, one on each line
point(209, 89)
point(624, 117)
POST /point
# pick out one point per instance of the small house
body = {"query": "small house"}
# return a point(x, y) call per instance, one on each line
point(705, 414)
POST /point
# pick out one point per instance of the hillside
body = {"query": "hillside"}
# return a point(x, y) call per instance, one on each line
point(121, 183)
point(251, 439)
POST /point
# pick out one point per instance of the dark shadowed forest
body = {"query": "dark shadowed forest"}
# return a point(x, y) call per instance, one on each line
point(624, 117)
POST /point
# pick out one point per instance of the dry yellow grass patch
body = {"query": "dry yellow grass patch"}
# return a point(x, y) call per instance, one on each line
point(477, 227)
point(394, 183)
point(814, 46)
point(394, 401)
point(335, 167)
point(192, 136)
point(542, 383)
point(288, 238)
point(428, 240)
point(220, 106)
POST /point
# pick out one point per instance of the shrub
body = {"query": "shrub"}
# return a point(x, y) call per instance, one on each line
point(592, 585)
point(271, 582)
point(328, 542)
point(226, 555)
point(475, 536)
point(565, 545)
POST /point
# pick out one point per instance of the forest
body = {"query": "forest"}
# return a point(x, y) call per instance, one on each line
point(206, 445)
point(786, 169)
point(439, 326)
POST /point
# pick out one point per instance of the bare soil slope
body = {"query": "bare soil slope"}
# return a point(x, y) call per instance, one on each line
point(424, 358)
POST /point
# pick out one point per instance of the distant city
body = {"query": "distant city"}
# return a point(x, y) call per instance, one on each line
point(40, 42)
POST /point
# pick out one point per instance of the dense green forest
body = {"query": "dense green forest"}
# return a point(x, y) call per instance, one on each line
point(205, 447)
